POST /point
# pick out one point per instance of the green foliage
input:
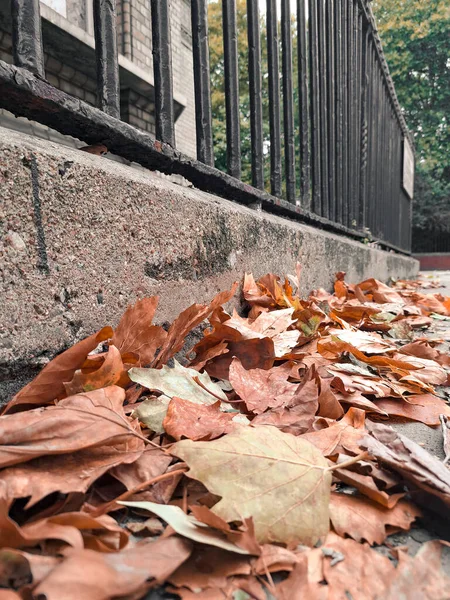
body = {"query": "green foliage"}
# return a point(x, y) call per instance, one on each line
point(415, 37)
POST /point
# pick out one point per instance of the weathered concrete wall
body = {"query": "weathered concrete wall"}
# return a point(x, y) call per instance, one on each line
point(83, 236)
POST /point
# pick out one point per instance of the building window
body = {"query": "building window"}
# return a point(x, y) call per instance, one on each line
point(60, 6)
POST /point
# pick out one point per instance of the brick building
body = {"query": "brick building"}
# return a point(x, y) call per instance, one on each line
point(68, 36)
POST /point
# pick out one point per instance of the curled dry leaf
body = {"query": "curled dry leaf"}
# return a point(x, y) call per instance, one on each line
point(410, 460)
point(49, 384)
point(363, 520)
point(188, 526)
point(281, 481)
point(108, 373)
point(186, 322)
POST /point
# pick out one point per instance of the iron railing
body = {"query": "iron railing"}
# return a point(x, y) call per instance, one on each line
point(351, 132)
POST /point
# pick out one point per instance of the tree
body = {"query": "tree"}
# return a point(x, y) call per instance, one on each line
point(415, 40)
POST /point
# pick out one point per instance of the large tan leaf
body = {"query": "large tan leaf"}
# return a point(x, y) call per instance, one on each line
point(49, 384)
point(362, 519)
point(283, 482)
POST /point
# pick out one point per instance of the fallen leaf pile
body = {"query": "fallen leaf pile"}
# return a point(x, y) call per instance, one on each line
point(259, 463)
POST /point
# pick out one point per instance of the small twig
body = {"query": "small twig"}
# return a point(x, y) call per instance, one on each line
point(106, 507)
point(349, 462)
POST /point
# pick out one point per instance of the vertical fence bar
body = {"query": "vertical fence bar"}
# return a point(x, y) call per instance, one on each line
point(202, 91)
point(303, 105)
point(288, 100)
point(255, 91)
point(331, 107)
point(338, 106)
point(363, 129)
point(314, 106)
point(350, 112)
point(231, 88)
point(357, 114)
point(162, 67)
point(27, 36)
point(106, 57)
point(274, 98)
point(322, 32)
point(345, 136)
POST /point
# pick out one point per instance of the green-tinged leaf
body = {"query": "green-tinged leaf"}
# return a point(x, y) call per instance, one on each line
point(282, 481)
point(179, 381)
point(152, 413)
point(439, 317)
point(187, 526)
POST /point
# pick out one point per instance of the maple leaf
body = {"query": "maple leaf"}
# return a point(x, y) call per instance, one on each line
point(196, 422)
point(281, 481)
point(136, 333)
point(422, 577)
point(261, 389)
point(362, 519)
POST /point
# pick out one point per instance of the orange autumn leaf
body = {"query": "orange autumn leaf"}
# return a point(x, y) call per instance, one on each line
point(196, 421)
point(49, 384)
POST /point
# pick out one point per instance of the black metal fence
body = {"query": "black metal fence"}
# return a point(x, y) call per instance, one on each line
point(352, 138)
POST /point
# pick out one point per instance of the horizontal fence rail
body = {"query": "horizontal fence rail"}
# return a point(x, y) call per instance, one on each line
point(340, 154)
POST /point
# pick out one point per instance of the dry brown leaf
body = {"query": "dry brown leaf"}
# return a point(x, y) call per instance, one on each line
point(49, 384)
point(261, 389)
point(339, 436)
point(196, 421)
point(243, 536)
point(254, 354)
point(209, 568)
point(74, 529)
point(281, 481)
point(186, 322)
point(421, 577)
point(424, 408)
point(136, 333)
point(18, 568)
point(108, 373)
point(88, 429)
point(410, 460)
point(94, 576)
point(363, 520)
point(362, 574)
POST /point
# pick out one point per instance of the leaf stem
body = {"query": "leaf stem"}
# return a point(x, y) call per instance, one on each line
point(349, 462)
